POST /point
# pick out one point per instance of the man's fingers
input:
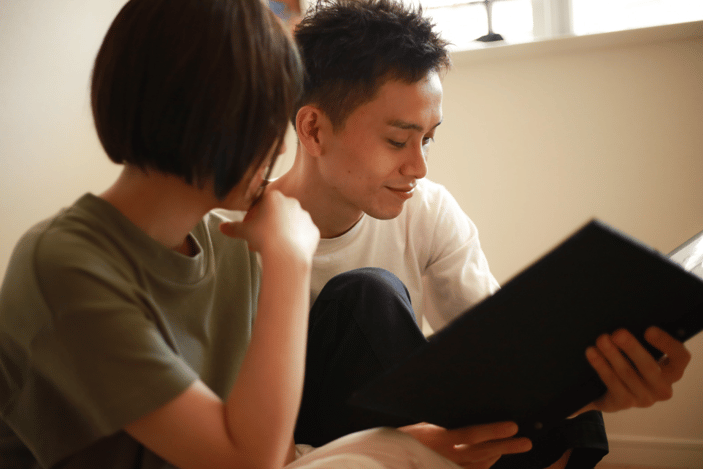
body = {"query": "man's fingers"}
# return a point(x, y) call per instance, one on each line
point(475, 447)
point(508, 446)
point(657, 384)
point(636, 368)
point(612, 349)
point(481, 433)
point(676, 356)
point(490, 450)
point(480, 443)
point(618, 393)
point(633, 377)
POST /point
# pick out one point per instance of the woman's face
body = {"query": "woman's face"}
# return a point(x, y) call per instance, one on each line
point(245, 194)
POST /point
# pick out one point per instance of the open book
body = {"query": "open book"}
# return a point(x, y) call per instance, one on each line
point(519, 355)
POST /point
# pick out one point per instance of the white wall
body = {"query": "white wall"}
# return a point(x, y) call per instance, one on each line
point(538, 140)
point(49, 154)
point(534, 143)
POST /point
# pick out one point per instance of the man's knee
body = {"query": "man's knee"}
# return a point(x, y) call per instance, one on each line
point(369, 283)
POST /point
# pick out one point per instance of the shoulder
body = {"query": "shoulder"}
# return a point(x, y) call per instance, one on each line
point(82, 235)
point(53, 241)
point(20, 274)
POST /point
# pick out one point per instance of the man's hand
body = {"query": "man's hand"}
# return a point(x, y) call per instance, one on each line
point(474, 447)
point(643, 384)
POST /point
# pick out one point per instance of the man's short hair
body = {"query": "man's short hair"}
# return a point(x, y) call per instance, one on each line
point(201, 89)
point(352, 47)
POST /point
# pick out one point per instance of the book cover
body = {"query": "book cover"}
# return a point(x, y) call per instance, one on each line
point(519, 355)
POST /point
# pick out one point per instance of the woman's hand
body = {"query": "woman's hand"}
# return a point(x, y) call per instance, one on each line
point(277, 225)
point(633, 377)
point(270, 380)
point(474, 447)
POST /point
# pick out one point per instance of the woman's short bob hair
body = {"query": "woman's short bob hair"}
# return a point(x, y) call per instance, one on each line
point(200, 89)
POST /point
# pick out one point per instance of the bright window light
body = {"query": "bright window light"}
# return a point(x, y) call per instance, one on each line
point(594, 16)
point(462, 22)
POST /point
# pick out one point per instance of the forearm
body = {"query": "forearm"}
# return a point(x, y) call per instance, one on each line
point(271, 378)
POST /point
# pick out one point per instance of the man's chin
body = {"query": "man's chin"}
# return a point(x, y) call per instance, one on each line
point(386, 213)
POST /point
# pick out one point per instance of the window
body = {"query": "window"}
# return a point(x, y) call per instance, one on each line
point(463, 22)
point(594, 16)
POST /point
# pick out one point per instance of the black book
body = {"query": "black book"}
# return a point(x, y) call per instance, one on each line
point(519, 355)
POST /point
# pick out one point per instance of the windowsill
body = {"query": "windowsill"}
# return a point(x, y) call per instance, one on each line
point(479, 51)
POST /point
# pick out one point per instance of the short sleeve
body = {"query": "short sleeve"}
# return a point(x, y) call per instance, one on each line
point(95, 358)
point(457, 274)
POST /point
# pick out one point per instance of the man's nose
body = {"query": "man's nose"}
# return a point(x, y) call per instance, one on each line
point(416, 163)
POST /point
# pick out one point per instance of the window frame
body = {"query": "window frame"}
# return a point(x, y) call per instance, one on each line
point(552, 19)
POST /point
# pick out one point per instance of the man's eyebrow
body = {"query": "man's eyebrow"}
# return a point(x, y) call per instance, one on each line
point(401, 124)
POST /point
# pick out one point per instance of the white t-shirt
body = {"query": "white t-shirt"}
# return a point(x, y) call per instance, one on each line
point(432, 246)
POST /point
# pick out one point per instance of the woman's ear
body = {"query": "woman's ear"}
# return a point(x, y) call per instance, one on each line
point(311, 124)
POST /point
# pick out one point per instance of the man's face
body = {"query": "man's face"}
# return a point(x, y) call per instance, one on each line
point(373, 163)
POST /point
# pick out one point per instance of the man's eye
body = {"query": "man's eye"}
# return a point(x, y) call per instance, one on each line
point(427, 140)
point(396, 144)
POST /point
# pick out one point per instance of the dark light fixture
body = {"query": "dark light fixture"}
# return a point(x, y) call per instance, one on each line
point(491, 36)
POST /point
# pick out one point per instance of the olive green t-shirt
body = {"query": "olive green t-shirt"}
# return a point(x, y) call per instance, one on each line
point(100, 324)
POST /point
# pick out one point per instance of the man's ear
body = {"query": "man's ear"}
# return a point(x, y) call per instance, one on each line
point(311, 125)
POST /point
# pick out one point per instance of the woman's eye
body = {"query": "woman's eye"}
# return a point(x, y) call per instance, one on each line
point(427, 140)
point(396, 144)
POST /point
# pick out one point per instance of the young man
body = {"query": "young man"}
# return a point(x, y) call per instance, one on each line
point(370, 110)
point(137, 328)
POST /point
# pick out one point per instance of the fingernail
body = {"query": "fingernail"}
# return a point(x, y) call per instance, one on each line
point(511, 428)
point(604, 341)
point(623, 337)
point(591, 353)
point(609, 342)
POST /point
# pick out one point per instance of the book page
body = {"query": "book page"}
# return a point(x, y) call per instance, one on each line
point(690, 256)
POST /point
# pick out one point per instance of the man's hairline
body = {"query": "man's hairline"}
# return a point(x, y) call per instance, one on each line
point(387, 77)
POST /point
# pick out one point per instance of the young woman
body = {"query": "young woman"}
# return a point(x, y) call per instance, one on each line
point(127, 319)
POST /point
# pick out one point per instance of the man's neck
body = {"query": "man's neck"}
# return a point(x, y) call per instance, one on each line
point(332, 217)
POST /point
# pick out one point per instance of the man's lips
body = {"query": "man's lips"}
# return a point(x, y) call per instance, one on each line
point(403, 190)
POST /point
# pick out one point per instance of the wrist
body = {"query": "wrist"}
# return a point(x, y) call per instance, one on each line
point(279, 256)
point(291, 264)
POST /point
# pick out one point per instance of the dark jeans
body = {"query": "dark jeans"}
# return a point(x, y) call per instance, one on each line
point(361, 324)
